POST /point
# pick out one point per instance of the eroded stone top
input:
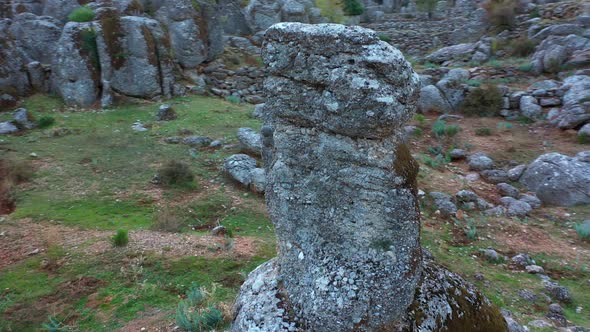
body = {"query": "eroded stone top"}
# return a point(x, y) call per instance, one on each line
point(352, 83)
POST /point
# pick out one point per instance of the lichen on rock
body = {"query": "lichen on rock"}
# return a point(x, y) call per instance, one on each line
point(341, 192)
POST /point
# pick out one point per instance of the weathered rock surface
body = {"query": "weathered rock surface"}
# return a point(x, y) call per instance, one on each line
point(558, 179)
point(432, 100)
point(250, 140)
point(575, 110)
point(341, 191)
point(76, 68)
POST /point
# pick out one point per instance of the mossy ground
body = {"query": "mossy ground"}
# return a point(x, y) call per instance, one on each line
point(97, 178)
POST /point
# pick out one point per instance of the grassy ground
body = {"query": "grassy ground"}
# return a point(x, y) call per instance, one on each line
point(96, 179)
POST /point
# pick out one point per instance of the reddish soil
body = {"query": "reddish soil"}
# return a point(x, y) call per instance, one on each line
point(24, 238)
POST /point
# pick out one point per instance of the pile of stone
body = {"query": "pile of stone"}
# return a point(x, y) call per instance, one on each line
point(341, 191)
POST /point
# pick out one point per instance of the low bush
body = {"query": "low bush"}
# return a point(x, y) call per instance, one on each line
point(484, 131)
point(583, 230)
point(169, 220)
point(175, 173)
point(331, 9)
point(352, 7)
point(440, 129)
point(81, 14)
point(525, 68)
point(583, 139)
point(384, 37)
point(504, 126)
point(501, 13)
point(420, 118)
point(121, 238)
point(192, 314)
point(45, 122)
point(522, 47)
point(233, 99)
point(482, 101)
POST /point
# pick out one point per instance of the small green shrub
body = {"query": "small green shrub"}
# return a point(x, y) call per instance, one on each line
point(427, 6)
point(54, 325)
point(437, 162)
point(471, 230)
point(175, 173)
point(441, 129)
point(583, 230)
point(482, 101)
point(430, 65)
point(525, 68)
point(384, 37)
point(121, 238)
point(484, 131)
point(330, 9)
point(352, 7)
point(583, 139)
point(233, 99)
point(474, 83)
point(192, 315)
point(81, 14)
point(420, 118)
point(45, 122)
point(535, 12)
point(504, 126)
point(553, 66)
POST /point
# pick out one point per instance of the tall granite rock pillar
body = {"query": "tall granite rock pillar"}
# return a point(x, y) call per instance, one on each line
point(341, 185)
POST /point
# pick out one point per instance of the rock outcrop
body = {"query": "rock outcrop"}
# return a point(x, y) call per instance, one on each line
point(126, 42)
point(341, 191)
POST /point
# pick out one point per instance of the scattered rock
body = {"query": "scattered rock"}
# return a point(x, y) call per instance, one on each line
point(495, 175)
point(443, 203)
point(522, 260)
point(559, 293)
point(534, 269)
point(491, 255)
point(250, 141)
point(558, 179)
point(239, 167)
point(173, 140)
point(23, 119)
point(7, 128)
point(166, 113)
point(556, 314)
point(432, 100)
point(219, 231)
point(513, 325)
point(527, 295)
point(466, 196)
point(458, 154)
point(7, 101)
point(539, 324)
point(516, 208)
point(530, 108)
point(507, 190)
point(532, 200)
point(138, 126)
point(515, 173)
point(197, 141)
point(480, 161)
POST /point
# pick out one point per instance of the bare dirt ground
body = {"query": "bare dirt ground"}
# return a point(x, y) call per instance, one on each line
point(24, 238)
